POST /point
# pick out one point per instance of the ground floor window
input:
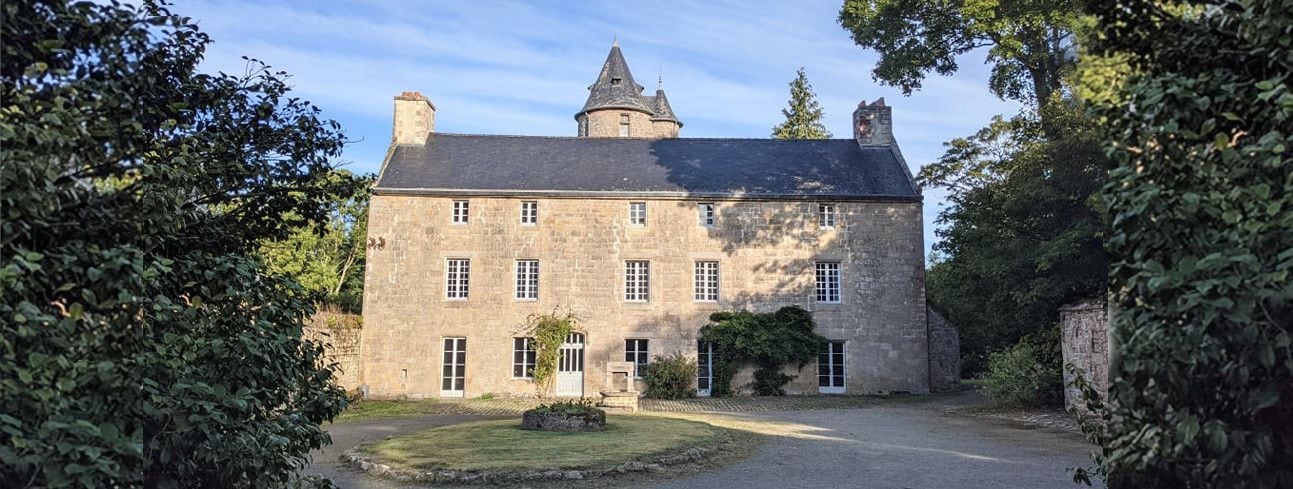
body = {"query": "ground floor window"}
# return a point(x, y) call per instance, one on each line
point(830, 368)
point(523, 358)
point(704, 367)
point(454, 375)
point(636, 351)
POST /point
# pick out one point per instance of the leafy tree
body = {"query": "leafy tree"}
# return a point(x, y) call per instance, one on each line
point(803, 115)
point(1030, 43)
point(769, 341)
point(327, 258)
point(1201, 204)
point(142, 344)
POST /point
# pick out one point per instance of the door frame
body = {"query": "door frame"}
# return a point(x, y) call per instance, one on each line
point(570, 366)
point(708, 365)
point(458, 341)
point(844, 371)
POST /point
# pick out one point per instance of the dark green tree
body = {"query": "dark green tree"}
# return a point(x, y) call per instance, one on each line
point(141, 342)
point(1200, 199)
point(769, 341)
point(803, 114)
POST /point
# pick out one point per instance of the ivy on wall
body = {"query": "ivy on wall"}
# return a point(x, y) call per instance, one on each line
point(768, 341)
point(549, 332)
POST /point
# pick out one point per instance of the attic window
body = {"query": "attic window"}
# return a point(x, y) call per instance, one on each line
point(615, 81)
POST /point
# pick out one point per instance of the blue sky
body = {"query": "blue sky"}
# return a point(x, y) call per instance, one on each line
point(524, 67)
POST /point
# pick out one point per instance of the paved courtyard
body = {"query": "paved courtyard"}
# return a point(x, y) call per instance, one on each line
point(860, 443)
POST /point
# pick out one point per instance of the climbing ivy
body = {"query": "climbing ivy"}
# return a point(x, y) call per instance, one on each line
point(549, 332)
point(765, 340)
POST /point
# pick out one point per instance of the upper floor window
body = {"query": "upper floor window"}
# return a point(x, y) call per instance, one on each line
point(529, 212)
point(706, 281)
point(637, 280)
point(624, 125)
point(828, 281)
point(460, 211)
point(637, 351)
point(523, 358)
point(826, 215)
point(637, 213)
point(457, 274)
point(527, 279)
point(706, 214)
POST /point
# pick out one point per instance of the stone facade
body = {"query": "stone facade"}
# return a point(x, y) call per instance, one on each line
point(1085, 346)
point(340, 336)
point(766, 252)
point(944, 354)
point(605, 123)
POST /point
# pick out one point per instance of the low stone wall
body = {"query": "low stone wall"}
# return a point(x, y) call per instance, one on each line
point(536, 420)
point(1086, 346)
point(339, 334)
point(944, 354)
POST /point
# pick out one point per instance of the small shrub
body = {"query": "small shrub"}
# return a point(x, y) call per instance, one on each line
point(671, 377)
point(486, 396)
point(571, 408)
point(1027, 374)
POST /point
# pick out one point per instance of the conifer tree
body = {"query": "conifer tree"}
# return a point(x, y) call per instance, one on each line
point(804, 115)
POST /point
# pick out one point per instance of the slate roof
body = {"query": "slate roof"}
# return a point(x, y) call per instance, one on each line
point(608, 93)
point(457, 164)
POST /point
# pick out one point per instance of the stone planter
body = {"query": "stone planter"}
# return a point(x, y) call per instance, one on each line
point(591, 420)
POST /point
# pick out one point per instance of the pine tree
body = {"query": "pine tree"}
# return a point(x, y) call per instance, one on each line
point(804, 115)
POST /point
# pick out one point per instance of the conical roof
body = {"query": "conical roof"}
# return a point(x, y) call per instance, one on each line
point(615, 87)
point(660, 106)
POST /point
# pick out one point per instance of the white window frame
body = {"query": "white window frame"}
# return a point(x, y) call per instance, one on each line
point(827, 282)
point(637, 280)
point(624, 125)
point(457, 279)
point(527, 280)
point(705, 281)
point(707, 214)
point(529, 212)
point(523, 356)
point(638, 351)
point(637, 213)
point(456, 366)
point(828, 383)
point(826, 215)
point(461, 212)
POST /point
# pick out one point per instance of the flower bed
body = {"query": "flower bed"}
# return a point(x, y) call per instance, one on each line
point(564, 416)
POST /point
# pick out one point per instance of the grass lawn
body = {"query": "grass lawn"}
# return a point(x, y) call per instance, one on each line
point(386, 409)
point(504, 445)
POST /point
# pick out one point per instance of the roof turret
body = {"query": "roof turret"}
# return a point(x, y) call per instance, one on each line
point(660, 105)
point(615, 87)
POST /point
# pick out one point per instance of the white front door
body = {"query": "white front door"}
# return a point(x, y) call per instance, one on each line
point(704, 367)
point(830, 368)
point(570, 367)
point(454, 373)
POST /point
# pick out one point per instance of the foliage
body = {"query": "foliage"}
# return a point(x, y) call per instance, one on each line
point(1028, 373)
point(327, 257)
point(1201, 204)
point(1030, 44)
point(766, 340)
point(573, 407)
point(141, 343)
point(549, 332)
point(803, 114)
point(671, 377)
point(1020, 236)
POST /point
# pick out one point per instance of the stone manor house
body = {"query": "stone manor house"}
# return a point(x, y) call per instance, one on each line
point(642, 234)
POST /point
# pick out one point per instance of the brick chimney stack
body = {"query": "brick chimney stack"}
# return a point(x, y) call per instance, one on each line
point(873, 124)
point(414, 118)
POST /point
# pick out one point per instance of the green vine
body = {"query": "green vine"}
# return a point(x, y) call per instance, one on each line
point(768, 341)
point(549, 332)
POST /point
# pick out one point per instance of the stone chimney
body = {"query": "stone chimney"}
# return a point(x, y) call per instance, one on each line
point(414, 118)
point(873, 124)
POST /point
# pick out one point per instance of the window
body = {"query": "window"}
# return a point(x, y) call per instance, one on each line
point(637, 280)
point(636, 351)
point(523, 358)
point(529, 212)
point(527, 280)
point(456, 278)
point(460, 212)
point(706, 213)
point(624, 125)
point(637, 213)
point(706, 281)
point(826, 215)
point(454, 373)
point(830, 368)
point(828, 281)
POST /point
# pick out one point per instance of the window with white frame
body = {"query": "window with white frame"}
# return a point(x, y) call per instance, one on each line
point(706, 281)
point(637, 213)
point(527, 280)
point(826, 215)
point(828, 281)
point(460, 211)
point(637, 280)
point(457, 273)
point(529, 212)
point(523, 358)
point(624, 125)
point(705, 212)
point(830, 368)
point(638, 352)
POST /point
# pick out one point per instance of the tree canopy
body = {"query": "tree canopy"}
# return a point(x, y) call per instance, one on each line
point(803, 113)
point(143, 344)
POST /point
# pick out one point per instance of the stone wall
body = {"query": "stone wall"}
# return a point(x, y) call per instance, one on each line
point(1086, 346)
point(606, 124)
point(340, 335)
point(766, 252)
point(944, 354)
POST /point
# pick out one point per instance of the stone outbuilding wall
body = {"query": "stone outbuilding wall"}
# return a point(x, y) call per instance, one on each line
point(339, 333)
point(944, 354)
point(1085, 346)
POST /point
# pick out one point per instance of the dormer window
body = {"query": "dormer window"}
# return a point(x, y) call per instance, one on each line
point(615, 81)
